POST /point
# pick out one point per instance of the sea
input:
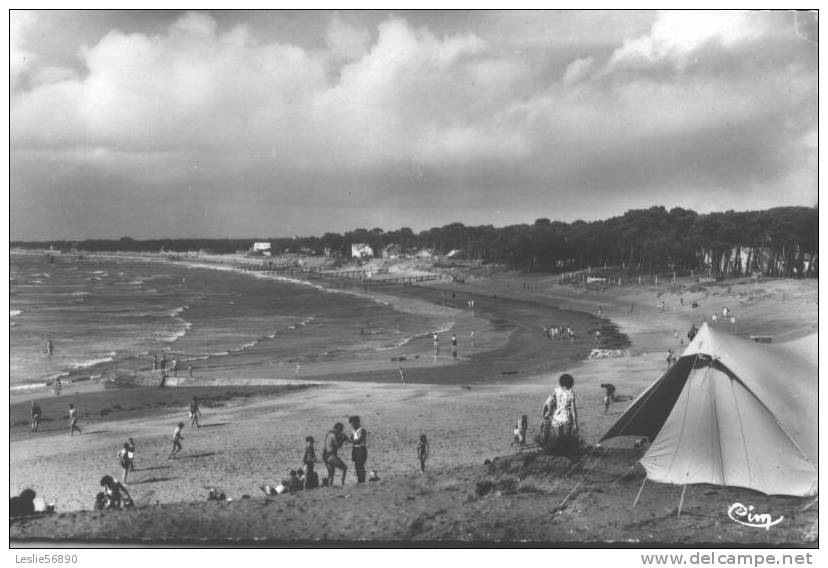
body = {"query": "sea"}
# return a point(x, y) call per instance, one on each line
point(107, 316)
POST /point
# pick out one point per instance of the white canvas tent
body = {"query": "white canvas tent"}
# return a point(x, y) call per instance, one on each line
point(732, 412)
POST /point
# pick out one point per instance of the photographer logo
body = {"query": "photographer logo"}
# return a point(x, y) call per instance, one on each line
point(744, 515)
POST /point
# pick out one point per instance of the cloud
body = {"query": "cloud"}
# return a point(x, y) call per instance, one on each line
point(345, 41)
point(577, 70)
point(20, 60)
point(425, 117)
point(676, 34)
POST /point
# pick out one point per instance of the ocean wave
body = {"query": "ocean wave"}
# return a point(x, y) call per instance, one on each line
point(177, 311)
point(172, 336)
point(245, 346)
point(93, 362)
point(81, 293)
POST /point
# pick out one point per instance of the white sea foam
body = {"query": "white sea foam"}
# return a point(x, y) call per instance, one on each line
point(171, 336)
point(93, 362)
point(81, 293)
point(13, 313)
point(245, 346)
point(177, 311)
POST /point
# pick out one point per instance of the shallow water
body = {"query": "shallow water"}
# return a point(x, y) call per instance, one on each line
point(107, 317)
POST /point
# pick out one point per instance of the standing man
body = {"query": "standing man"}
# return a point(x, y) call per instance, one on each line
point(402, 375)
point(436, 340)
point(35, 416)
point(359, 449)
point(333, 441)
point(73, 420)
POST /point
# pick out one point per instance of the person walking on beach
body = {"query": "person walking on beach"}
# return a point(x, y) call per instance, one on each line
point(194, 413)
point(190, 371)
point(422, 452)
point(471, 336)
point(436, 340)
point(50, 347)
point(125, 458)
point(454, 346)
point(163, 363)
point(177, 437)
point(309, 459)
point(154, 362)
point(333, 441)
point(58, 386)
point(73, 420)
point(35, 417)
point(175, 367)
point(402, 375)
point(359, 448)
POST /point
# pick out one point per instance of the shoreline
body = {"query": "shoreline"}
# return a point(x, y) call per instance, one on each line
point(495, 353)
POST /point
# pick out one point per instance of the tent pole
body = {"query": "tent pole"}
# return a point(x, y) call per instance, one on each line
point(639, 492)
point(808, 506)
point(681, 501)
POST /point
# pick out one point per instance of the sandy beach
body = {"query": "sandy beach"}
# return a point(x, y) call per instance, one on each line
point(253, 431)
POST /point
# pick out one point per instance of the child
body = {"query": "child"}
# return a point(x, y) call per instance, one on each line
point(293, 483)
point(115, 493)
point(126, 461)
point(609, 395)
point(177, 437)
point(523, 425)
point(422, 452)
point(73, 420)
point(131, 450)
point(194, 413)
point(309, 459)
point(35, 417)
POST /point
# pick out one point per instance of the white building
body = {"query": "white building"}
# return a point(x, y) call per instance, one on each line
point(359, 250)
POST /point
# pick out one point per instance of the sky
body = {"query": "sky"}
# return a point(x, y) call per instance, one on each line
point(164, 124)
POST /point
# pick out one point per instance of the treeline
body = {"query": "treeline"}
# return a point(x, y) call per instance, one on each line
point(782, 241)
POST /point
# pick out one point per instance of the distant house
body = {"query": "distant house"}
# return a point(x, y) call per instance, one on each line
point(391, 251)
point(360, 250)
point(423, 253)
point(263, 247)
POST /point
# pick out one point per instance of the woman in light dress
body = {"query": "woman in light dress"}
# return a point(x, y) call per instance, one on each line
point(561, 407)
